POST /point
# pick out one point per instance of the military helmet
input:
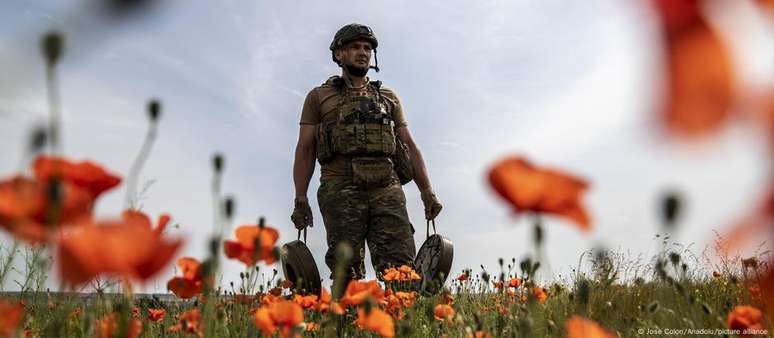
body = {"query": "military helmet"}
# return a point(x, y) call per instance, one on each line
point(352, 32)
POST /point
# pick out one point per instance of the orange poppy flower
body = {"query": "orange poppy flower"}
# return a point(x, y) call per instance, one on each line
point(269, 298)
point(479, 334)
point(282, 315)
point(463, 277)
point(84, 174)
point(306, 302)
point(125, 247)
point(192, 281)
point(395, 302)
point(579, 327)
point(677, 14)
point(700, 82)
point(107, 327)
point(312, 327)
point(498, 285)
point(745, 317)
point(156, 315)
point(357, 292)
point(253, 244)
point(376, 321)
point(25, 207)
point(540, 294)
point(13, 313)
point(529, 188)
point(336, 308)
point(189, 322)
point(443, 312)
point(324, 303)
point(514, 282)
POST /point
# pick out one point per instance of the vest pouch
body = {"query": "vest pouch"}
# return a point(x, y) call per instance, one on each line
point(402, 160)
point(324, 147)
point(349, 139)
point(372, 172)
point(380, 139)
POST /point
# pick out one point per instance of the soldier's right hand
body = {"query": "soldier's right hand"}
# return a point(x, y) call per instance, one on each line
point(302, 214)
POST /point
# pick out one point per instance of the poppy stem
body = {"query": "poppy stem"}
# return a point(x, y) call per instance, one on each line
point(130, 201)
point(52, 90)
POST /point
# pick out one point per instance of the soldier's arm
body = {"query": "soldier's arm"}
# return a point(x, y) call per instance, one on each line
point(421, 177)
point(303, 166)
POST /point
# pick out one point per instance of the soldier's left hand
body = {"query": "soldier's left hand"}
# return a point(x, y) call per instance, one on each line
point(432, 205)
point(302, 214)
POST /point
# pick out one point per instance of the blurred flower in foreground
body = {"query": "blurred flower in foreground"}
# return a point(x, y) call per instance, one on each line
point(579, 327)
point(85, 174)
point(377, 321)
point(27, 209)
point(189, 323)
point(744, 317)
point(13, 312)
point(253, 244)
point(530, 188)
point(128, 247)
point(192, 281)
point(284, 315)
point(107, 327)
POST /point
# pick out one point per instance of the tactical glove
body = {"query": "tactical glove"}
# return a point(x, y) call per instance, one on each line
point(432, 205)
point(302, 214)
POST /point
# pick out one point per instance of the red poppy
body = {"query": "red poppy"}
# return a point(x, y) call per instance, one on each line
point(107, 327)
point(126, 247)
point(253, 244)
point(443, 312)
point(530, 188)
point(745, 317)
point(189, 323)
point(677, 14)
point(377, 321)
point(282, 315)
point(156, 315)
point(357, 292)
point(700, 82)
point(579, 327)
point(26, 209)
point(86, 174)
point(13, 312)
point(192, 281)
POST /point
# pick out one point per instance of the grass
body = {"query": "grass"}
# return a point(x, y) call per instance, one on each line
point(666, 294)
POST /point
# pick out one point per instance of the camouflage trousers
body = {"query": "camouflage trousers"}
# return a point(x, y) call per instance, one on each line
point(377, 215)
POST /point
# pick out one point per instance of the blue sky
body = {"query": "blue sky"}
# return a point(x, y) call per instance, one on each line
point(570, 85)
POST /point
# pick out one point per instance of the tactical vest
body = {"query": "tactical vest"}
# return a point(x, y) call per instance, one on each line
point(364, 131)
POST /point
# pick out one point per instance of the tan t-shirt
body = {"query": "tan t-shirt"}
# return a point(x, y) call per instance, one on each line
point(320, 106)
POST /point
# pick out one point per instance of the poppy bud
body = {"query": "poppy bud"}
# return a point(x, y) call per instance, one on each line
point(538, 232)
point(154, 109)
point(674, 258)
point(500, 261)
point(52, 45)
point(217, 162)
point(228, 207)
point(670, 208)
point(261, 222)
point(38, 139)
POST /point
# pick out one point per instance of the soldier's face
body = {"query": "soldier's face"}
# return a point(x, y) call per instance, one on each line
point(356, 54)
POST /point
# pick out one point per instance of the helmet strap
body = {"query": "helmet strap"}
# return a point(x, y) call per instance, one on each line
point(376, 61)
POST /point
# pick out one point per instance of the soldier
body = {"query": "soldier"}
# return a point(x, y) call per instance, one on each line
point(357, 130)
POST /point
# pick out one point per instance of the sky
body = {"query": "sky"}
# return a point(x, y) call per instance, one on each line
point(569, 85)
